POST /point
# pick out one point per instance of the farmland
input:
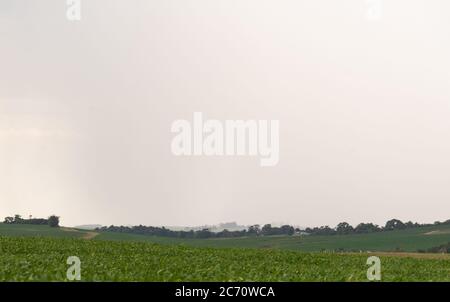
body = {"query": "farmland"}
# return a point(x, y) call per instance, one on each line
point(26, 230)
point(44, 259)
point(410, 240)
point(39, 253)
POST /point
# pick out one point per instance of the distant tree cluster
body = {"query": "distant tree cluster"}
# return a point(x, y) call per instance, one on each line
point(342, 228)
point(268, 230)
point(52, 221)
point(254, 230)
point(345, 228)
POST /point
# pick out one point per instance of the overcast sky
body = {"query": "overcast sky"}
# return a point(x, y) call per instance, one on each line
point(363, 103)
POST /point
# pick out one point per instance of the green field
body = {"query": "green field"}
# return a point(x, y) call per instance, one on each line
point(39, 253)
point(410, 240)
point(24, 230)
point(44, 259)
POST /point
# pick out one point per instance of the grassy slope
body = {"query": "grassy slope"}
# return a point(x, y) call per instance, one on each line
point(23, 230)
point(44, 259)
point(406, 240)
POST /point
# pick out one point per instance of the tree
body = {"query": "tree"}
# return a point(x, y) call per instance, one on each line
point(204, 233)
point(53, 221)
point(394, 224)
point(409, 224)
point(254, 230)
point(366, 228)
point(9, 220)
point(325, 230)
point(287, 230)
point(344, 228)
point(267, 229)
point(17, 218)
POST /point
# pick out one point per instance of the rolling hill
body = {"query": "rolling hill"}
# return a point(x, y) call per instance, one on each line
point(410, 240)
point(27, 230)
point(40, 253)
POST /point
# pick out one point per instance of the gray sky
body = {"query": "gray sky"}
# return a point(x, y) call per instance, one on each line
point(86, 109)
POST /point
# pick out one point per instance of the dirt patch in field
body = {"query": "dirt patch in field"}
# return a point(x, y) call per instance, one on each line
point(86, 235)
point(438, 232)
point(412, 255)
point(90, 235)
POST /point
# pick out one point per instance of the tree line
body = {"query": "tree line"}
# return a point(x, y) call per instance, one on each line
point(345, 228)
point(52, 221)
point(342, 228)
point(254, 230)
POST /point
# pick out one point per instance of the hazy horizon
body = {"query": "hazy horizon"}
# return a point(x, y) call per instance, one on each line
point(363, 105)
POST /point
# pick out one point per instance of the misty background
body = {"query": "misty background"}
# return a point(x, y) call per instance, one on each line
point(363, 104)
